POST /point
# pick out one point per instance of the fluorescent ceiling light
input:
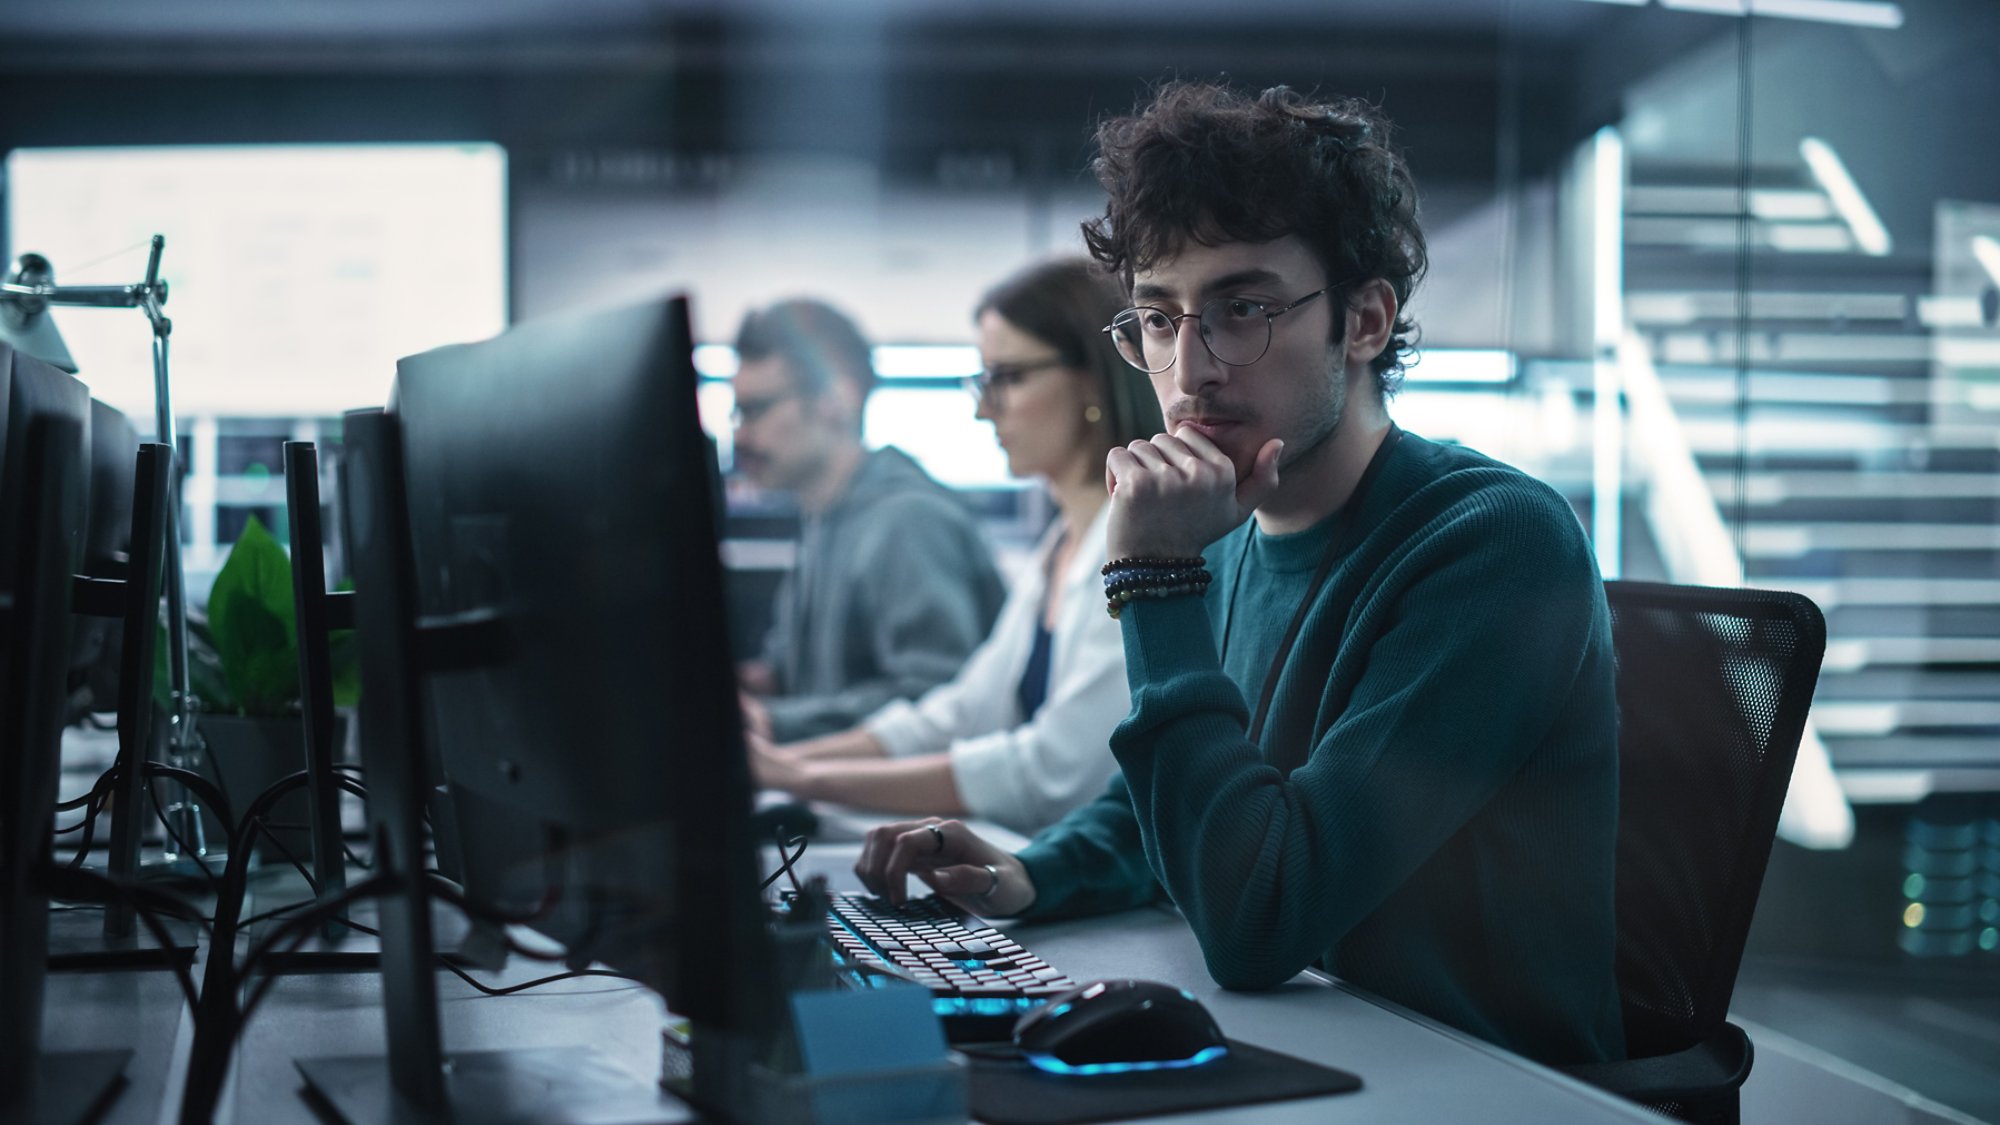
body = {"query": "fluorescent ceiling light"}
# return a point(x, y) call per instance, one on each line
point(1987, 251)
point(1859, 13)
point(1607, 236)
point(1810, 238)
point(1714, 7)
point(1854, 13)
point(892, 361)
point(715, 361)
point(1461, 365)
point(926, 361)
point(1869, 233)
point(1793, 206)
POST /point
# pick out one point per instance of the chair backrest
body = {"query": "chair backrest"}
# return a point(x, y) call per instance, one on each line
point(1713, 690)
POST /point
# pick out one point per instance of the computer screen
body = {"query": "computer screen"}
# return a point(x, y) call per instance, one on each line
point(42, 513)
point(540, 608)
point(558, 476)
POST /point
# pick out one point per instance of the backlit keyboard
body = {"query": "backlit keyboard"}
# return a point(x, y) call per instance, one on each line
point(981, 980)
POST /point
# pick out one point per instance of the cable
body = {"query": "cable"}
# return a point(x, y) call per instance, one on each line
point(93, 795)
point(83, 884)
point(203, 788)
point(200, 863)
point(264, 827)
point(454, 895)
point(785, 862)
point(274, 912)
point(93, 803)
point(511, 989)
point(295, 931)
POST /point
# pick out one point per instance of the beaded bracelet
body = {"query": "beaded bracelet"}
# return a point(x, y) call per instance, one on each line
point(1152, 577)
point(1153, 580)
point(1143, 562)
point(1116, 602)
point(1128, 579)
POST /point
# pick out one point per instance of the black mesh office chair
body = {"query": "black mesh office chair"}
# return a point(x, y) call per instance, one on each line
point(1713, 689)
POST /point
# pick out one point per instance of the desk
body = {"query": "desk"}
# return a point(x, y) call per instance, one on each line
point(1414, 1070)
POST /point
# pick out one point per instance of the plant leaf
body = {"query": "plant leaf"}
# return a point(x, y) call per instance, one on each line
point(205, 677)
point(250, 616)
point(344, 657)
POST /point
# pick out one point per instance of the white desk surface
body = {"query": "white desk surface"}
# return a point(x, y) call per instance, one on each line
point(1412, 1069)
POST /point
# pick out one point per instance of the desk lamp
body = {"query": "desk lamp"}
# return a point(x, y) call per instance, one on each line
point(25, 297)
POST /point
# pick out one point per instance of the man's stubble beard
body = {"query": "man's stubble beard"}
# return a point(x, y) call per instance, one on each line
point(1327, 421)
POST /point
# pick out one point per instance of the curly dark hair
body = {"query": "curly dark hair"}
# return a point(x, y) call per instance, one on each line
point(1206, 163)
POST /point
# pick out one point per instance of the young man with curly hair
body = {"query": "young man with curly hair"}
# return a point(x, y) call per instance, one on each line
point(1374, 724)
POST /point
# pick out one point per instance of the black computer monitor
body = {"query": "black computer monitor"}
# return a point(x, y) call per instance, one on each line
point(98, 641)
point(42, 515)
point(534, 542)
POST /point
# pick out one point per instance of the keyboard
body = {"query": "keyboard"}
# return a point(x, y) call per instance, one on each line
point(981, 980)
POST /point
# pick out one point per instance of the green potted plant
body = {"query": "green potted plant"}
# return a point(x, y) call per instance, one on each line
point(244, 672)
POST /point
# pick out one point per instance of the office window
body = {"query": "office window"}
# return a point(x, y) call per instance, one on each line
point(297, 273)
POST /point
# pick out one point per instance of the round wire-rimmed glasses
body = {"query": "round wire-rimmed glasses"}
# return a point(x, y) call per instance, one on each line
point(1235, 330)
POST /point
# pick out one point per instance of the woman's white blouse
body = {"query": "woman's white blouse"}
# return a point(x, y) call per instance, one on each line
point(1026, 775)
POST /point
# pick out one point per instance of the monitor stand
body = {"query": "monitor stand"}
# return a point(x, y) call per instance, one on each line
point(415, 1078)
point(113, 938)
point(356, 951)
point(77, 941)
point(545, 1086)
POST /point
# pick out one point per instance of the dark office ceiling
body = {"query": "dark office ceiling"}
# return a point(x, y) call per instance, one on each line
point(139, 21)
point(911, 84)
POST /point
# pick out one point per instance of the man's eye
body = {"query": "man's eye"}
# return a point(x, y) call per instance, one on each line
point(1241, 308)
point(1156, 322)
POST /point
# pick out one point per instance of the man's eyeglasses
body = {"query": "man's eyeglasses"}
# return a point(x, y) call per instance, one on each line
point(990, 385)
point(1235, 330)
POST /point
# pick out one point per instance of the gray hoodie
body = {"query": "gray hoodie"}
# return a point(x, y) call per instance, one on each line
point(893, 589)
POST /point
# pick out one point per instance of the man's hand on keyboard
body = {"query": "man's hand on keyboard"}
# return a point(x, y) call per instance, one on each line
point(956, 863)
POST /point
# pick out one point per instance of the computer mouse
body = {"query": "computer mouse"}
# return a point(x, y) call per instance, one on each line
point(1109, 1026)
point(783, 818)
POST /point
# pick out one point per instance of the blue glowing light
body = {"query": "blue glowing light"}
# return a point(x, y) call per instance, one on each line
point(1056, 1066)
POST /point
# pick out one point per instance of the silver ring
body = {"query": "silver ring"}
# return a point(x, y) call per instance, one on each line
point(992, 873)
point(937, 833)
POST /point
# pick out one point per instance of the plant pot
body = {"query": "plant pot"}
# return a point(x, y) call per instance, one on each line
point(247, 756)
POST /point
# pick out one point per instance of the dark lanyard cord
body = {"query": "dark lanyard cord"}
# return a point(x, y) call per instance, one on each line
point(1334, 549)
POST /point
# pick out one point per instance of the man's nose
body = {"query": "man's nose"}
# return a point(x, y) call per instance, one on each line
point(1195, 367)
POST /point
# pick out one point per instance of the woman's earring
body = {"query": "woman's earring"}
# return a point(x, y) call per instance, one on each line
point(1092, 414)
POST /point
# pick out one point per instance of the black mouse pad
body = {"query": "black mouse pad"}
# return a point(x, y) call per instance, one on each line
point(1009, 1091)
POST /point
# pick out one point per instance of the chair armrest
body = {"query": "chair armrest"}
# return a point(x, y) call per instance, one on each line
point(1720, 1062)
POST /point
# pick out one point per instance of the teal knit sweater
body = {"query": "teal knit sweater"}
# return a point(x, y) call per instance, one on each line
point(1445, 838)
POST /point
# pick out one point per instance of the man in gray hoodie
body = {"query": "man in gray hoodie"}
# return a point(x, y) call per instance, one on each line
point(894, 587)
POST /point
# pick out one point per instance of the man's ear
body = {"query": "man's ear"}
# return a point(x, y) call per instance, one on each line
point(1371, 319)
point(841, 403)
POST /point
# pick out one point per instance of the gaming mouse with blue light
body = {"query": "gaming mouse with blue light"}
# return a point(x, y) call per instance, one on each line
point(1119, 1025)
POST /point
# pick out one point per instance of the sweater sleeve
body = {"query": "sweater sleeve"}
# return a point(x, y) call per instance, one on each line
point(1471, 639)
point(1090, 861)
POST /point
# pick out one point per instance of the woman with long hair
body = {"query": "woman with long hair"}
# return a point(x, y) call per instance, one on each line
point(1020, 736)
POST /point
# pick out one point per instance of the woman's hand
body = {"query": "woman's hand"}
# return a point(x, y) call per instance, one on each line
point(776, 767)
